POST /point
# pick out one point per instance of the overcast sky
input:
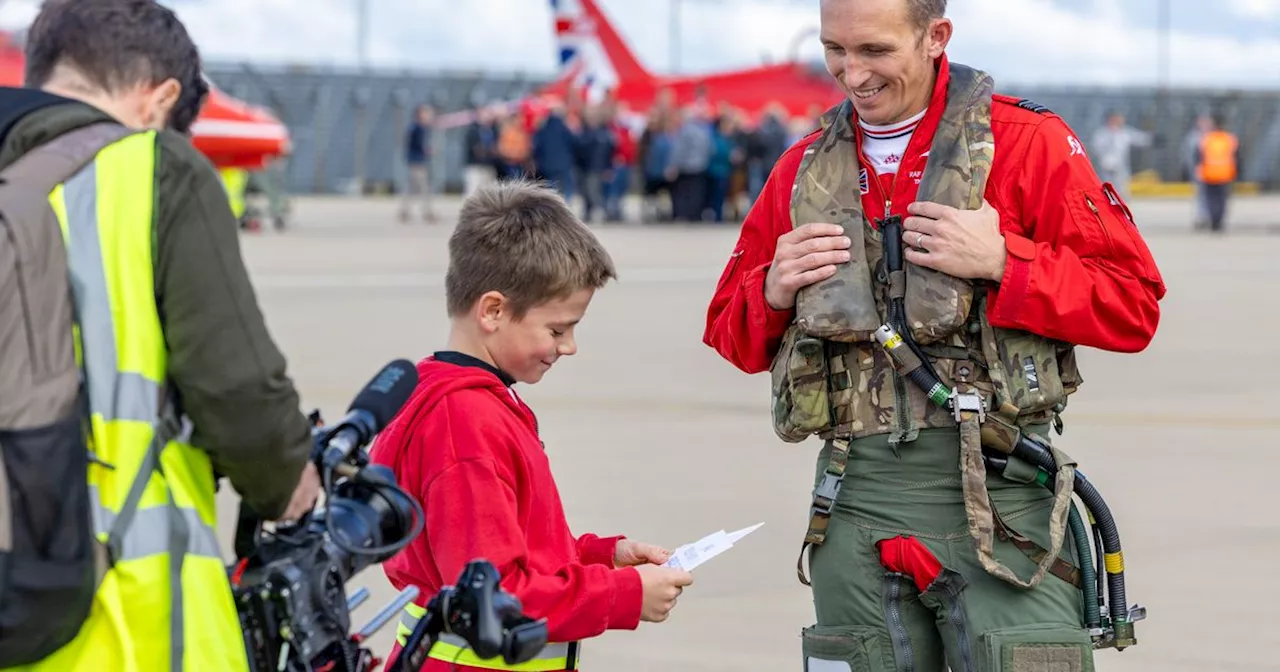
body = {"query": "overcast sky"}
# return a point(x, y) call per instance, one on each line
point(1233, 43)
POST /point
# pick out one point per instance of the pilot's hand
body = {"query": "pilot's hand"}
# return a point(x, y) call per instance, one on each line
point(304, 495)
point(804, 256)
point(962, 243)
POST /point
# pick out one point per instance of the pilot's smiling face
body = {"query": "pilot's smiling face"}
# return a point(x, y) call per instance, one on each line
point(882, 60)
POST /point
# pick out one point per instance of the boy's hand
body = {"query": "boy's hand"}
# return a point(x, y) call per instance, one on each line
point(661, 586)
point(631, 553)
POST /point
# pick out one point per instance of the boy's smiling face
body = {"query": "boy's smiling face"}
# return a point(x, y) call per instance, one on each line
point(527, 348)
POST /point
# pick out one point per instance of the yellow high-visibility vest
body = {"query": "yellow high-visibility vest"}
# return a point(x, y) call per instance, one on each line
point(450, 648)
point(166, 604)
point(235, 181)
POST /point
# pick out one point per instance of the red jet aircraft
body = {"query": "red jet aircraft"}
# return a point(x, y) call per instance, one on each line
point(596, 61)
point(594, 57)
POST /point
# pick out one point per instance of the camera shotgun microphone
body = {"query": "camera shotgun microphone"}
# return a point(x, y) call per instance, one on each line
point(370, 412)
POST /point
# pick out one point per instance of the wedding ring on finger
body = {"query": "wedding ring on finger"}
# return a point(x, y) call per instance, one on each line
point(919, 240)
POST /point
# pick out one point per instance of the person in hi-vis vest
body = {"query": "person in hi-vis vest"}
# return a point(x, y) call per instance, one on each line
point(172, 334)
point(1217, 168)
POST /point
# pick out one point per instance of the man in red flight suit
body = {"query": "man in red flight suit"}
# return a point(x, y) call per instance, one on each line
point(1058, 256)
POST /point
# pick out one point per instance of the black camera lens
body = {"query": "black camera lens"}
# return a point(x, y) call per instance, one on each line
point(367, 521)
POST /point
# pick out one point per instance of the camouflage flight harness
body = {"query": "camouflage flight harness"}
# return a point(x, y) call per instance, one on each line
point(842, 369)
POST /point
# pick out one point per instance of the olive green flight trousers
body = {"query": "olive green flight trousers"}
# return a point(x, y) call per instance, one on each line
point(870, 619)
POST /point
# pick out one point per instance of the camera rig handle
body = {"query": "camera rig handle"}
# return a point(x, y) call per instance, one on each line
point(477, 611)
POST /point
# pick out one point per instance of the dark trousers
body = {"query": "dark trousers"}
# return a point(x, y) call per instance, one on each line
point(717, 191)
point(1215, 196)
point(593, 193)
point(688, 197)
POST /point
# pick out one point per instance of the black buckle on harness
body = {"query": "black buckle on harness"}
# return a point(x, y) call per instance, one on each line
point(824, 496)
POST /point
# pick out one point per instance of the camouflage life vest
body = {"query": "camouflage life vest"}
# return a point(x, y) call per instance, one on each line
point(830, 376)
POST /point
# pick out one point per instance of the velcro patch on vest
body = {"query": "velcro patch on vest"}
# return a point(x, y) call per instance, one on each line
point(1029, 368)
point(1045, 658)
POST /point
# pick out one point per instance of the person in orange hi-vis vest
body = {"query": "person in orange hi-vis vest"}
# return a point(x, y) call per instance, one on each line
point(1217, 169)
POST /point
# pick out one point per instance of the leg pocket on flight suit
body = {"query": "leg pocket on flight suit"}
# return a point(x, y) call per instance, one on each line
point(1038, 648)
point(846, 648)
point(1030, 521)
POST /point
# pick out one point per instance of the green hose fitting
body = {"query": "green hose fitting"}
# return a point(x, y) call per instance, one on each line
point(1124, 634)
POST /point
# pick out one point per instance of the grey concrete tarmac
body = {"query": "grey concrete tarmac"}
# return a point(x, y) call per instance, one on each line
point(653, 435)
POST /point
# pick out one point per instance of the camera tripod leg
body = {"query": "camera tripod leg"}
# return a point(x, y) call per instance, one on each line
point(356, 599)
point(387, 613)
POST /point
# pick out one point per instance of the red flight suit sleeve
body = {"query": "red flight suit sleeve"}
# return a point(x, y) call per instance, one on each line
point(741, 325)
point(1077, 268)
point(596, 550)
point(471, 513)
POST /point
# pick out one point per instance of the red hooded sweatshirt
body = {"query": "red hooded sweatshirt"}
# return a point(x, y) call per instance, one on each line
point(467, 447)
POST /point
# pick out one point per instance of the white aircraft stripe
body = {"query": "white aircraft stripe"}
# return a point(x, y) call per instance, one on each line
point(258, 130)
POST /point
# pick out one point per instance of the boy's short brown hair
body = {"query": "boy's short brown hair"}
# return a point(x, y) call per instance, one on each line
point(520, 238)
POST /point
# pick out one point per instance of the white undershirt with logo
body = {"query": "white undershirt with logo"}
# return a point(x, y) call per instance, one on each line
point(886, 145)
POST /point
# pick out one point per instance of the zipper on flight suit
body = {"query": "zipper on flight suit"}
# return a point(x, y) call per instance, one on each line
point(1111, 246)
point(903, 656)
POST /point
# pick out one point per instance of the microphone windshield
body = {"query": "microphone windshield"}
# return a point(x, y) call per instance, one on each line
point(387, 392)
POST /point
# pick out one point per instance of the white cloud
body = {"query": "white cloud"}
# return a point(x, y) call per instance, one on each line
point(1255, 9)
point(1019, 41)
point(1035, 40)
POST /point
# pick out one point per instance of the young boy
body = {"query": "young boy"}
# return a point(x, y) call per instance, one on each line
point(522, 271)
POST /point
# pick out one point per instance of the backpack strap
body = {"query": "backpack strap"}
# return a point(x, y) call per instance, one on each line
point(52, 163)
point(41, 169)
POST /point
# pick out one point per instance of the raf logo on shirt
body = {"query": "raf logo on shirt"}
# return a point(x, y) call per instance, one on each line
point(1076, 147)
point(864, 186)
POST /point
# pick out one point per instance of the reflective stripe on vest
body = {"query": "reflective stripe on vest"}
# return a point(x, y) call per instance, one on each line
point(454, 649)
point(165, 604)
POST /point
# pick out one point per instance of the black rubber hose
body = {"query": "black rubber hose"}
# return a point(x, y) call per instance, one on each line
point(1100, 572)
point(1037, 454)
point(922, 378)
point(1088, 577)
point(891, 229)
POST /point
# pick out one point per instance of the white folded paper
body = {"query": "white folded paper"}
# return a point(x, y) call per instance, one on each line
point(689, 556)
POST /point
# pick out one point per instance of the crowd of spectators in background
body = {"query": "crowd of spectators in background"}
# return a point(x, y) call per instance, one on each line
point(696, 162)
point(690, 163)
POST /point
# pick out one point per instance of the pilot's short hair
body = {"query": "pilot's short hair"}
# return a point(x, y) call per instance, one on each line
point(924, 11)
point(519, 237)
point(117, 45)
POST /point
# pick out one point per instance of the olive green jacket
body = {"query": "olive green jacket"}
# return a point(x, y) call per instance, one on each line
point(229, 374)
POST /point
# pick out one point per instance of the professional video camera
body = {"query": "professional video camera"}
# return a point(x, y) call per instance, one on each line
point(289, 587)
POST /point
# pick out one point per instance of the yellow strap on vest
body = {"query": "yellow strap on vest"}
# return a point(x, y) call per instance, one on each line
point(454, 649)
